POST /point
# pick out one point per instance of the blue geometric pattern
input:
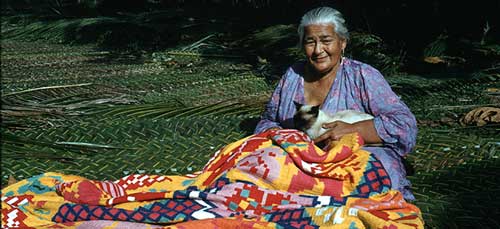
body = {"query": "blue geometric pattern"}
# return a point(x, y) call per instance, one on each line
point(375, 180)
point(160, 212)
point(291, 218)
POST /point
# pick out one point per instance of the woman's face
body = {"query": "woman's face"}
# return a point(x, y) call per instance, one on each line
point(323, 47)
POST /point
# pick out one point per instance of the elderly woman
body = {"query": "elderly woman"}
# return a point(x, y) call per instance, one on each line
point(337, 83)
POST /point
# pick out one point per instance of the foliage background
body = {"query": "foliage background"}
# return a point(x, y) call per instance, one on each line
point(105, 88)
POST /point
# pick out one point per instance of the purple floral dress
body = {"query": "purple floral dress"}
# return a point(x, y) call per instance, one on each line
point(357, 86)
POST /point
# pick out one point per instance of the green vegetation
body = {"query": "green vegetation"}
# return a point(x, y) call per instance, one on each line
point(104, 97)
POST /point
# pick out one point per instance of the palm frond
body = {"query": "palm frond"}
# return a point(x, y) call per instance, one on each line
point(46, 88)
point(81, 147)
point(436, 48)
point(165, 111)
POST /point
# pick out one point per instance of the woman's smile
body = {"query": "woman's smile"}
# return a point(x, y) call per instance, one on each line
point(320, 59)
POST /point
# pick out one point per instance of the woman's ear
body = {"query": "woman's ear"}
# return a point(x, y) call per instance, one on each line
point(344, 44)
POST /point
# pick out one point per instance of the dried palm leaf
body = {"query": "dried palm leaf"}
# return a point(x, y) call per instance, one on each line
point(481, 116)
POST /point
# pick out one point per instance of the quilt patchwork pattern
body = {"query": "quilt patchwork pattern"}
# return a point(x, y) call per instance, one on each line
point(276, 179)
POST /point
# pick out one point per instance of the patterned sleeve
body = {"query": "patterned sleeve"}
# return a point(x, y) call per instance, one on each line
point(394, 122)
point(269, 117)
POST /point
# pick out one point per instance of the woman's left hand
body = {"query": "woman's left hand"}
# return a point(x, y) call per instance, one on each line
point(335, 131)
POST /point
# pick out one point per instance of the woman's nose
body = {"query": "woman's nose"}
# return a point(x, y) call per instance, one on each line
point(317, 48)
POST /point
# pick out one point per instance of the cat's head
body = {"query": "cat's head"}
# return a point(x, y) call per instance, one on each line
point(305, 116)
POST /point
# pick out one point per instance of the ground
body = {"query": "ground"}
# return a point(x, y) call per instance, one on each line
point(79, 109)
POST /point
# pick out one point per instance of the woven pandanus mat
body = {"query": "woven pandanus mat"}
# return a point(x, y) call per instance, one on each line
point(463, 196)
point(457, 177)
point(120, 147)
point(435, 98)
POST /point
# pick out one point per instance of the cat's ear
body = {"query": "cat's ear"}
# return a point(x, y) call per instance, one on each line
point(297, 105)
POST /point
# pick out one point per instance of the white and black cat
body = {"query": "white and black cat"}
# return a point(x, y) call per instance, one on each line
point(310, 119)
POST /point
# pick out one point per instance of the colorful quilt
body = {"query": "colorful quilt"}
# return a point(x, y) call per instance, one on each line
point(276, 179)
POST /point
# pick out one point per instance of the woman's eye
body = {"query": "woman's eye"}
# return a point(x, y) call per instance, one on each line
point(327, 41)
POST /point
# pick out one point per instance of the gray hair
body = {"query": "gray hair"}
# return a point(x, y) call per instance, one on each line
point(323, 15)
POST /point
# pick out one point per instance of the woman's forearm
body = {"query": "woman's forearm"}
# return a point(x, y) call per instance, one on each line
point(265, 124)
point(367, 131)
